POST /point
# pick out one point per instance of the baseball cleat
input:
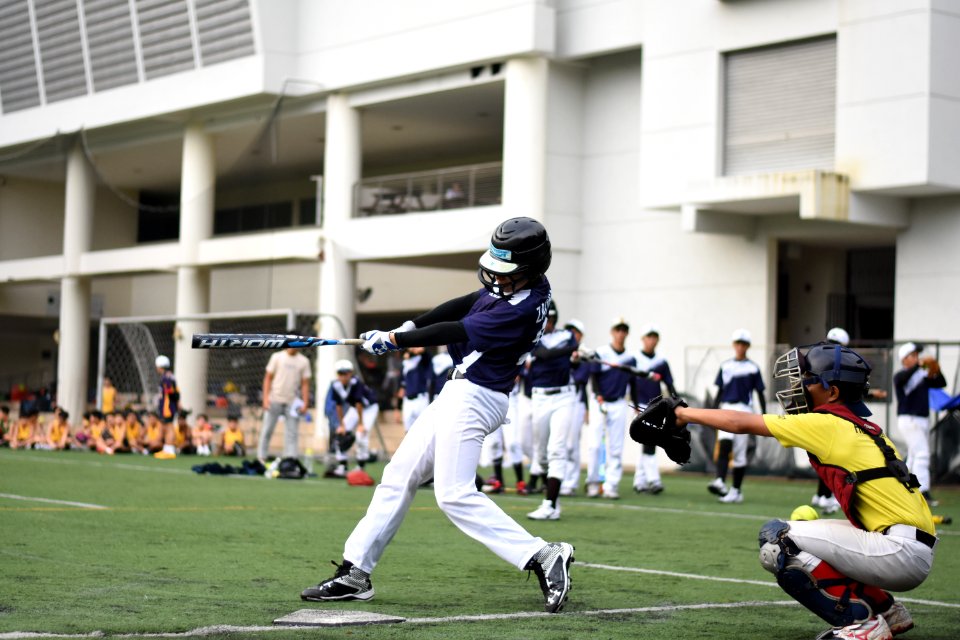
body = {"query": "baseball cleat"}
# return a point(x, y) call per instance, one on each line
point(593, 490)
point(898, 619)
point(611, 494)
point(717, 487)
point(656, 488)
point(546, 511)
point(873, 629)
point(492, 485)
point(348, 583)
point(552, 566)
point(640, 488)
point(830, 505)
point(732, 497)
point(521, 488)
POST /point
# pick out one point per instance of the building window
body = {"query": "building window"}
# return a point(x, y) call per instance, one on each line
point(780, 107)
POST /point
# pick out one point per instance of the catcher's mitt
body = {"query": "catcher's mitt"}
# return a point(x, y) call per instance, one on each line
point(345, 441)
point(657, 425)
point(931, 365)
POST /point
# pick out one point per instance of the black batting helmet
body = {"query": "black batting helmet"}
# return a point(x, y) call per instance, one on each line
point(519, 249)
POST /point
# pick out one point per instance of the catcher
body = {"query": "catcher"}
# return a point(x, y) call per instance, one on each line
point(840, 570)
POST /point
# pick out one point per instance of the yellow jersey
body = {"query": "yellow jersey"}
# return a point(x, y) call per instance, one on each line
point(57, 430)
point(835, 441)
point(133, 432)
point(231, 438)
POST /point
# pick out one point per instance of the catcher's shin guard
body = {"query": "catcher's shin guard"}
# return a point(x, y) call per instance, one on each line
point(837, 599)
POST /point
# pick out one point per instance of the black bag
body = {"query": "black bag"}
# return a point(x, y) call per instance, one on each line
point(291, 469)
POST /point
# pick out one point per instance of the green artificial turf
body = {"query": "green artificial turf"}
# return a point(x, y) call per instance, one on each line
point(175, 551)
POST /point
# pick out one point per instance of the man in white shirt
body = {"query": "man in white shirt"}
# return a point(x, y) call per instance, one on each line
point(287, 372)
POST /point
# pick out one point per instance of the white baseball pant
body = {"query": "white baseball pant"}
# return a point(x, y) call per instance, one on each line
point(894, 562)
point(741, 441)
point(525, 427)
point(444, 443)
point(608, 424)
point(571, 479)
point(350, 421)
point(551, 422)
point(412, 408)
point(915, 431)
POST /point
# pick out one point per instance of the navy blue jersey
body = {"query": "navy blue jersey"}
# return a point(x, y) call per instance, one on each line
point(417, 375)
point(738, 379)
point(338, 395)
point(581, 375)
point(551, 362)
point(913, 390)
point(501, 332)
point(611, 383)
point(643, 390)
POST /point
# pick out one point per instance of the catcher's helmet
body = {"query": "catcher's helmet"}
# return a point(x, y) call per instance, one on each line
point(162, 362)
point(519, 250)
point(838, 336)
point(828, 364)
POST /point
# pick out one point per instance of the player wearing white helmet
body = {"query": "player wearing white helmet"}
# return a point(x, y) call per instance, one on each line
point(347, 406)
point(488, 334)
point(737, 380)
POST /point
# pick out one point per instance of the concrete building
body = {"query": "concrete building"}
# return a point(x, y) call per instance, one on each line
point(779, 165)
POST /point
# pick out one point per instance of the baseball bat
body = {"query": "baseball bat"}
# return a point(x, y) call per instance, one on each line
point(264, 341)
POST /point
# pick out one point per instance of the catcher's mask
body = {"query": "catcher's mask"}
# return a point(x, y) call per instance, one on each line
point(825, 364)
point(519, 250)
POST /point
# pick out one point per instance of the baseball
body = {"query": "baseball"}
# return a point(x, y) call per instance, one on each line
point(804, 512)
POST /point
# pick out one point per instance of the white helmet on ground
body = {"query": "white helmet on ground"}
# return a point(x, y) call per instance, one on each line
point(162, 362)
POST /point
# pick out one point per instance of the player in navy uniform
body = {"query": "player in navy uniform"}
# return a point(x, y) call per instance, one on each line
point(417, 375)
point(554, 398)
point(610, 376)
point(488, 334)
point(346, 406)
point(643, 390)
point(581, 377)
point(736, 381)
point(912, 385)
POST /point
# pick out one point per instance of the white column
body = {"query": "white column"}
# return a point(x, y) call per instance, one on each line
point(197, 186)
point(338, 279)
point(524, 138)
point(74, 345)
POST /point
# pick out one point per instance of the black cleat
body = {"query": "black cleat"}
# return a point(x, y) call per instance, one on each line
point(348, 583)
point(552, 566)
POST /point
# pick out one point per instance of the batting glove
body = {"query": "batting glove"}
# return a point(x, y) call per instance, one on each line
point(406, 326)
point(378, 343)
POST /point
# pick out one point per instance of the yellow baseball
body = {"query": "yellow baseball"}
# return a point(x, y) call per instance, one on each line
point(804, 512)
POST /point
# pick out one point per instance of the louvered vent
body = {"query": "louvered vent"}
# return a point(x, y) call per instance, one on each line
point(18, 67)
point(110, 42)
point(61, 54)
point(225, 30)
point(780, 108)
point(165, 37)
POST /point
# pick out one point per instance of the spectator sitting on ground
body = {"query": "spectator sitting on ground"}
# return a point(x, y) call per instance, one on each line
point(58, 433)
point(111, 439)
point(231, 441)
point(203, 434)
point(24, 434)
point(82, 438)
point(153, 433)
point(183, 434)
point(134, 432)
point(97, 426)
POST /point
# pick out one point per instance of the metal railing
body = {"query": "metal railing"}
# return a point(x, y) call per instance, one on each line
point(475, 185)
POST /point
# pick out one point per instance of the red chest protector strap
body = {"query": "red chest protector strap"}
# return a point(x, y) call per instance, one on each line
point(843, 482)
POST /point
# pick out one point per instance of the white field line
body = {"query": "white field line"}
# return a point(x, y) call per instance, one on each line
point(82, 505)
point(224, 629)
point(761, 583)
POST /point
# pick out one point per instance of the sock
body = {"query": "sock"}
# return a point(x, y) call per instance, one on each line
point(168, 448)
point(518, 469)
point(724, 447)
point(738, 473)
point(498, 470)
point(553, 490)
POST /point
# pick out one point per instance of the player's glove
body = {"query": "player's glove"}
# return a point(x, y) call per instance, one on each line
point(657, 425)
point(377, 343)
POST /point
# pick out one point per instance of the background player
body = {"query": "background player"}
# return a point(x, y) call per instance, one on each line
point(643, 390)
point(581, 378)
point(609, 378)
point(736, 381)
point(488, 332)
point(554, 396)
point(838, 569)
point(167, 407)
point(912, 384)
point(417, 368)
